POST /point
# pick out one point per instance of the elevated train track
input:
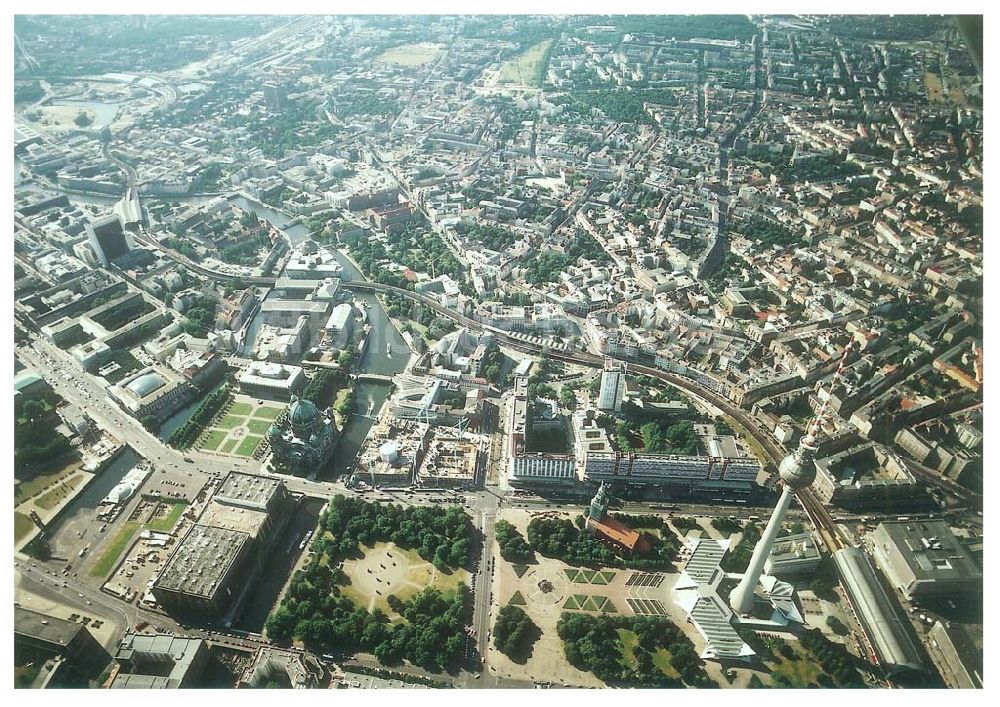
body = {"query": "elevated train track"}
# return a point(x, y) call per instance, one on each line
point(774, 452)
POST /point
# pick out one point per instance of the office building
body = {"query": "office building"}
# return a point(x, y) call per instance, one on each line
point(793, 556)
point(542, 468)
point(154, 661)
point(44, 635)
point(108, 239)
point(274, 381)
point(275, 96)
point(213, 566)
point(924, 558)
point(277, 666)
point(612, 386)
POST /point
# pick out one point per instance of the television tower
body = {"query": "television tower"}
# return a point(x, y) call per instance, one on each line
point(797, 471)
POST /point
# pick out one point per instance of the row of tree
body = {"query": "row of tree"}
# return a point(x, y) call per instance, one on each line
point(185, 435)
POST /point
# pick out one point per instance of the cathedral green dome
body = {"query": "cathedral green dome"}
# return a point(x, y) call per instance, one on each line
point(305, 418)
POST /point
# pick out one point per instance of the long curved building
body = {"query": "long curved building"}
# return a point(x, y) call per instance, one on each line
point(884, 627)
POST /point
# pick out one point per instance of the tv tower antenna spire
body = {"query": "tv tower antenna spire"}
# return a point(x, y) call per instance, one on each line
point(797, 471)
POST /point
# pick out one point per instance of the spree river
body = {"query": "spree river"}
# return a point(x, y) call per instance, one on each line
point(386, 353)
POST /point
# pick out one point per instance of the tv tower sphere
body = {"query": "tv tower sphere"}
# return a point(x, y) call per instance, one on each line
point(797, 469)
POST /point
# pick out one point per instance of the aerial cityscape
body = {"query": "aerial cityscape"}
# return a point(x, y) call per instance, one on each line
point(502, 351)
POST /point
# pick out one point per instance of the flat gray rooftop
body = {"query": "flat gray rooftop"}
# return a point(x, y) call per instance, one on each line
point(931, 550)
point(157, 661)
point(202, 560)
point(247, 490)
point(31, 624)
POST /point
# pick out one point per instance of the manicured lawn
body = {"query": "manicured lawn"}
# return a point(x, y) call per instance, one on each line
point(228, 446)
point(524, 68)
point(583, 576)
point(408, 55)
point(258, 427)
point(661, 659)
point(230, 421)
point(26, 489)
point(449, 582)
point(114, 549)
point(628, 640)
point(22, 526)
point(242, 409)
point(603, 578)
point(52, 498)
point(518, 599)
point(248, 446)
point(587, 602)
point(267, 413)
point(519, 570)
point(213, 439)
point(167, 523)
point(800, 671)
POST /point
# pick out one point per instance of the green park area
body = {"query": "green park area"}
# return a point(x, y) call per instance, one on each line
point(382, 579)
point(54, 496)
point(22, 526)
point(528, 68)
point(240, 409)
point(629, 642)
point(24, 490)
point(166, 522)
point(811, 661)
point(801, 670)
point(212, 440)
point(267, 413)
point(409, 54)
point(248, 446)
point(632, 651)
point(241, 429)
